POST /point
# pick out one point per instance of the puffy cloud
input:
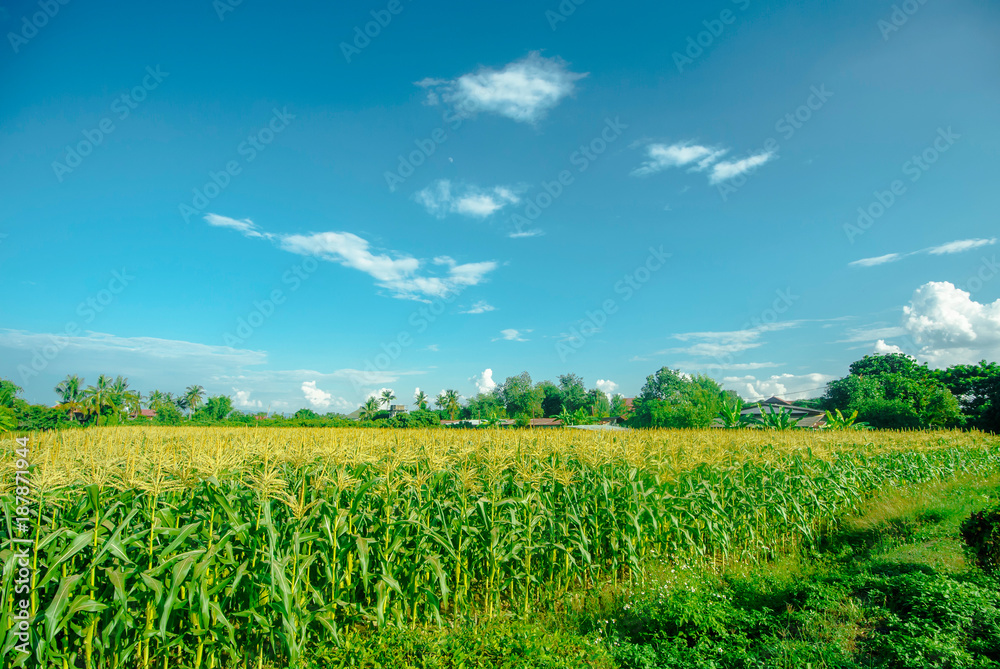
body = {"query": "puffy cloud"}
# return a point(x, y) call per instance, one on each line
point(320, 399)
point(524, 90)
point(242, 400)
point(441, 198)
point(785, 386)
point(949, 327)
point(609, 387)
point(881, 348)
point(484, 382)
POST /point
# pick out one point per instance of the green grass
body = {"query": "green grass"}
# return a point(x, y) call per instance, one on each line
point(890, 588)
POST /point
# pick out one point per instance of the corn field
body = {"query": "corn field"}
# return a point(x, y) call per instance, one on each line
point(210, 547)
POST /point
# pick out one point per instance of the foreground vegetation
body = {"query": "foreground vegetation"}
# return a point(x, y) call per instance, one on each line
point(214, 546)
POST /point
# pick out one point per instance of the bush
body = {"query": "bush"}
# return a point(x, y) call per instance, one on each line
point(981, 532)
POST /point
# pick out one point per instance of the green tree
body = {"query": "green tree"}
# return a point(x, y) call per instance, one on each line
point(977, 388)
point(520, 396)
point(574, 392)
point(552, 402)
point(217, 408)
point(671, 398)
point(599, 406)
point(194, 397)
point(100, 396)
point(421, 399)
point(370, 409)
point(619, 407)
point(70, 390)
point(387, 397)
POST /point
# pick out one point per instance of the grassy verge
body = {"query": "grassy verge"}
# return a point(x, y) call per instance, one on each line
point(892, 588)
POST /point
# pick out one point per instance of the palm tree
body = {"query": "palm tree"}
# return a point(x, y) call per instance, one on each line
point(69, 389)
point(420, 397)
point(128, 400)
point(98, 396)
point(451, 404)
point(369, 409)
point(387, 397)
point(194, 397)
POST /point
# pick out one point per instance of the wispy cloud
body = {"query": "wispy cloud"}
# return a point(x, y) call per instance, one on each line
point(720, 344)
point(404, 276)
point(877, 260)
point(442, 198)
point(524, 90)
point(957, 246)
point(521, 234)
point(246, 227)
point(725, 170)
point(480, 307)
point(681, 154)
point(960, 245)
point(510, 334)
point(698, 158)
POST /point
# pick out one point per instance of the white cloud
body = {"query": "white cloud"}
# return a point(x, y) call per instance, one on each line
point(786, 386)
point(725, 170)
point(609, 387)
point(960, 245)
point(524, 90)
point(878, 260)
point(881, 348)
point(247, 227)
point(720, 344)
point(510, 334)
point(440, 199)
point(949, 327)
point(957, 246)
point(480, 307)
point(521, 234)
point(734, 366)
point(871, 333)
point(242, 400)
point(484, 382)
point(398, 273)
point(681, 154)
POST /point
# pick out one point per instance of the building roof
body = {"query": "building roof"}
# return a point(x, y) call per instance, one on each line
point(603, 427)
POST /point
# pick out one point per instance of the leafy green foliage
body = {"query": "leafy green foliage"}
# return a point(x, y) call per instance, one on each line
point(672, 399)
point(981, 533)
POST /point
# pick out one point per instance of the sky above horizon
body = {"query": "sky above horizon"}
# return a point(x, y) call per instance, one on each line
point(301, 205)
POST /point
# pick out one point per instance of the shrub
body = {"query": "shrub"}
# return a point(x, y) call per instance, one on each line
point(981, 532)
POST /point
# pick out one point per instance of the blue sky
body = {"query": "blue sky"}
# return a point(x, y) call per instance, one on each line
point(264, 200)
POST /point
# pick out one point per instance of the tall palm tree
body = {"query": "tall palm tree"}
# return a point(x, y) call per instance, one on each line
point(451, 404)
point(387, 397)
point(69, 389)
point(98, 396)
point(420, 397)
point(369, 409)
point(129, 401)
point(194, 397)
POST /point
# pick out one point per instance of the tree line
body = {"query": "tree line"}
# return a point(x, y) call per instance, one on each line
point(891, 391)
